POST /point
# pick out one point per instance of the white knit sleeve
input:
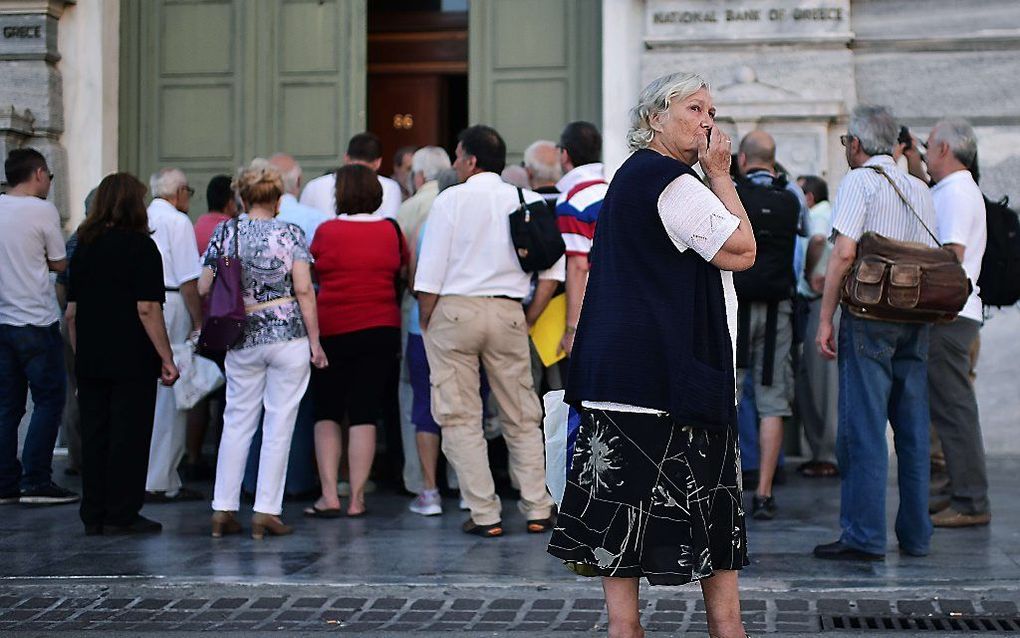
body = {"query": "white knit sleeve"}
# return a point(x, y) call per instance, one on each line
point(694, 217)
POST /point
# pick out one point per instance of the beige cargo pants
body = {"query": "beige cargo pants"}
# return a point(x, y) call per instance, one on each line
point(462, 331)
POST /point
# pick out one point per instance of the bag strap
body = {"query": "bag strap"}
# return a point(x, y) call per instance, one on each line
point(520, 196)
point(903, 198)
point(401, 241)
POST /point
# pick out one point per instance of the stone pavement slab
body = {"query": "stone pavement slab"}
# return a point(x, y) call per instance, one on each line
point(480, 610)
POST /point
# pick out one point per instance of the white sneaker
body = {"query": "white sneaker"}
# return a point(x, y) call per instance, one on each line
point(428, 503)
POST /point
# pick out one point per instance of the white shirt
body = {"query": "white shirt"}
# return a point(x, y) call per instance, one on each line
point(960, 209)
point(578, 175)
point(866, 202)
point(29, 237)
point(175, 238)
point(467, 250)
point(320, 193)
point(695, 219)
point(819, 225)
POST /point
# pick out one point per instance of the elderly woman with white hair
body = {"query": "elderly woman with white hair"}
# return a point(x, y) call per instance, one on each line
point(654, 485)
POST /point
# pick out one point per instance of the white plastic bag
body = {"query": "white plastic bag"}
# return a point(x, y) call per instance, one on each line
point(199, 376)
point(556, 414)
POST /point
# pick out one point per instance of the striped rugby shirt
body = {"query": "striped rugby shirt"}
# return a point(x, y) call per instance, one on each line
point(866, 202)
point(577, 208)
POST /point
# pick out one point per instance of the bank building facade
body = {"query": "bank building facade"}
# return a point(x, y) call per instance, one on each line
point(205, 85)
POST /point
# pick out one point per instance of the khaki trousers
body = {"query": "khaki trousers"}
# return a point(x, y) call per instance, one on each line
point(462, 331)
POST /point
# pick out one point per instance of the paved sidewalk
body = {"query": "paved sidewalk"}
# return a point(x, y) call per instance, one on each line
point(394, 573)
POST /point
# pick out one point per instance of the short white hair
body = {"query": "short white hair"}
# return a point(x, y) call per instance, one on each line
point(167, 181)
point(875, 129)
point(959, 136)
point(542, 171)
point(290, 171)
point(430, 161)
point(655, 99)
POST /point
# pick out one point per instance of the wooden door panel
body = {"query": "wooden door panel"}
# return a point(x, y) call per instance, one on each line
point(405, 110)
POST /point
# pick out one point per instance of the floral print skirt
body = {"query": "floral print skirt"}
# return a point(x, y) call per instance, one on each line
point(648, 497)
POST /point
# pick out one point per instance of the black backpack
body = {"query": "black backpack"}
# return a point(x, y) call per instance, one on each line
point(774, 213)
point(536, 237)
point(999, 282)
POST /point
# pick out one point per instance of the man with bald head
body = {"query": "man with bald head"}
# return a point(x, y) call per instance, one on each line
point(765, 291)
point(305, 217)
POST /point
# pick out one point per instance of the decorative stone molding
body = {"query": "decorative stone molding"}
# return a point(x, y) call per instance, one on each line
point(52, 8)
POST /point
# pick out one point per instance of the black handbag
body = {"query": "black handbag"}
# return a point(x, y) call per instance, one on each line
point(535, 235)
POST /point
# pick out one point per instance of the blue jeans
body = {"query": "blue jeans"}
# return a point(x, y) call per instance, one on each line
point(883, 374)
point(30, 357)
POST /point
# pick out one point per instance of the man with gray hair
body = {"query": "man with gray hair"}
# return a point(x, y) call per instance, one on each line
point(292, 211)
point(960, 209)
point(542, 162)
point(182, 312)
point(883, 366)
point(421, 447)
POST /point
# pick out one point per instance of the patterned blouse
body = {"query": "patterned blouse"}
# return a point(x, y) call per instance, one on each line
point(268, 248)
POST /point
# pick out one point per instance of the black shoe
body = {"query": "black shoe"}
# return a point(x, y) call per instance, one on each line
point(140, 525)
point(841, 551)
point(763, 508)
point(9, 498)
point(72, 471)
point(51, 494)
point(94, 530)
point(184, 494)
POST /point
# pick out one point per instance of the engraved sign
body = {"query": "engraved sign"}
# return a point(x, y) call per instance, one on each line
point(22, 32)
point(754, 20)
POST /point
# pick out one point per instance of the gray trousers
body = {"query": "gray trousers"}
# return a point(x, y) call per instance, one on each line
point(818, 391)
point(954, 413)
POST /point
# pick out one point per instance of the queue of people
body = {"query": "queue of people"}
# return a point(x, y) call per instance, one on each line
point(355, 285)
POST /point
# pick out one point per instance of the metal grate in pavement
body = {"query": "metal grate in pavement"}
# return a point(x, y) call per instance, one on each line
point(979, 624)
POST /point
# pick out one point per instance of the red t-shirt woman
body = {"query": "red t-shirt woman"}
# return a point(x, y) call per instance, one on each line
point(361, 263)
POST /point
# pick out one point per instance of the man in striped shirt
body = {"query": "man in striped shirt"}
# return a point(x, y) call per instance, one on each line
point(883, 366)
point(582, 188)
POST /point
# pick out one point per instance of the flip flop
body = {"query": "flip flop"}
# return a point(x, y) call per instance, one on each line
point(540, 525)
point(315, 512)
point(360, 514)
point(485, 531)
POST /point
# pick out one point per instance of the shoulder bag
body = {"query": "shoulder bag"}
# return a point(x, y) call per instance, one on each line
point(224, 321)
point(535, 235)
point(905, 282)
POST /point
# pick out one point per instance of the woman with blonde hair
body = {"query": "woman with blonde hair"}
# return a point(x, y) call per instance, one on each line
point(654, 487)
point(269, 364)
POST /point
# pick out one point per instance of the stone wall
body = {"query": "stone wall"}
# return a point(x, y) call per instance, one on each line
point(31, 94)
point(797, 67)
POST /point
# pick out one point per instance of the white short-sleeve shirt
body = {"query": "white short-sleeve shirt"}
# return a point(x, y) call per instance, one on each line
point(320, 193)
point(175, 237)
point(960, 210)
point(30, 236)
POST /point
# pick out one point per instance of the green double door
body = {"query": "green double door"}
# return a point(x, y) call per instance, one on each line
point(208, 84)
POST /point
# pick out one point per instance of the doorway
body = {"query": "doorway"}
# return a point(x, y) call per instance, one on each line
point(417, 73)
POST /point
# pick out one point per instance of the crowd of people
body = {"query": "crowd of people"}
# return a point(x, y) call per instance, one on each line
point(364, 293)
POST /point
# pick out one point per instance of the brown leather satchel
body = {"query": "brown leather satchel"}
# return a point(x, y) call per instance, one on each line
point(905, 282)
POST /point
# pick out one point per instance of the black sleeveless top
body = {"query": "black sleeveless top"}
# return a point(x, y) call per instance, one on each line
point(653, 330)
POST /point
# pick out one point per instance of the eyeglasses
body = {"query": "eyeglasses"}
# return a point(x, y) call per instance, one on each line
point(191, 191)
point(844, 139)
